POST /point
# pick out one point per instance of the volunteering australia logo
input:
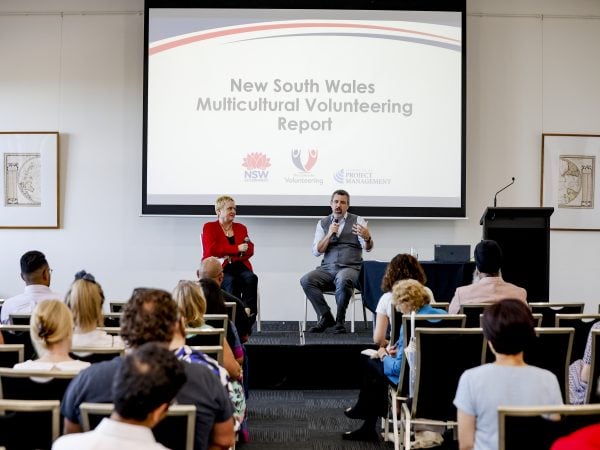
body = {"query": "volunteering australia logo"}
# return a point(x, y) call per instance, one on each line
point(311, 160)
point(256, 165)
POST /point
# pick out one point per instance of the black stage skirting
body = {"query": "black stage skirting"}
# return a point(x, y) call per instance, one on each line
point(442, 279)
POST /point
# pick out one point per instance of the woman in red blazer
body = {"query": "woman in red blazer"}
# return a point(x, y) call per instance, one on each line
point(229, 241)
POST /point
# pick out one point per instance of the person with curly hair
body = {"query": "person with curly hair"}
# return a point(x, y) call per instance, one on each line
point(401, 267)
point(383, 370)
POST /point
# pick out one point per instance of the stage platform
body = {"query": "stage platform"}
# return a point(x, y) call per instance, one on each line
point(282, 356)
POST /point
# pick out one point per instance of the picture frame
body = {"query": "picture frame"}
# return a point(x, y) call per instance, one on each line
point(569, 180)
point(29, 179)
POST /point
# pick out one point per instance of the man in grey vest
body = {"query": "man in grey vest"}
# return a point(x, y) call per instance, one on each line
point(340, 238)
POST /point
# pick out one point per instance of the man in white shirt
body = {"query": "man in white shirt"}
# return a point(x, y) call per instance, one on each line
point(143, 387)
point(36, 273)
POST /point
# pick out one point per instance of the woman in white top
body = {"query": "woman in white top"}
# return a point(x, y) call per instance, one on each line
point(51, 329)
point(85, 298)
point(401, 267)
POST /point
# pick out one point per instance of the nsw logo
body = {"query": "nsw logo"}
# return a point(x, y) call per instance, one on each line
point(256, 165)
point(311, 160)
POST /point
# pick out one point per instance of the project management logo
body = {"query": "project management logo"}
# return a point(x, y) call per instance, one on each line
point(311, 160)
point(359, 176)
point(256, 165)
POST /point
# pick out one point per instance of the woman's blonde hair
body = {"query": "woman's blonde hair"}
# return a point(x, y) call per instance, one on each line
point(410, 293)
point(191, 302)
point(220, 202)
point(51, 323)
point(85, 301)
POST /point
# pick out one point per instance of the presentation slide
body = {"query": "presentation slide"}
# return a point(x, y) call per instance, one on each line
point(279, 108)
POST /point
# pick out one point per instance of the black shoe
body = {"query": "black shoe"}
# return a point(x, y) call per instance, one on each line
point(339, 328)
point(361, 435)
point(354, 413)
point(324, 322)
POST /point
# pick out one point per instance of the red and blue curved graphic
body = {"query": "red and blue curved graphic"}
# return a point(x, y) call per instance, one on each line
point(310, 162)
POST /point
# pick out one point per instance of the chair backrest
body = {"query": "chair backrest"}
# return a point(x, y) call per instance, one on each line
point(96, 354)
point(231, 310)
point(111, 330)
point(217, 320)
point(536, 317)
point(440, 305)
point(214, 351)
point(551, 350)
point(532, 428)
point(582, 324)
point(112, 319)
point(424, 321)
point(26, 424)
point(19, 334)
point(443, 354)
point(19, 385)
point(195, 337)
point(11, 354)
point(592, 395)
point(473, 311)
point(20, 319)
point(550, 310)
point(117, 306)
point(175, 431)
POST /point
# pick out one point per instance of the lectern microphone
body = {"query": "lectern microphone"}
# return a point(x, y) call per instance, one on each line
point(508, 185)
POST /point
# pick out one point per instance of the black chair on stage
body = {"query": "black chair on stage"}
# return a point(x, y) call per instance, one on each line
point(19, 334)
point(536, 428)
point(11, 354)
point(175, 431)
point(29, 424)
point(438, 368)
point(550, 310)
point(582, 324)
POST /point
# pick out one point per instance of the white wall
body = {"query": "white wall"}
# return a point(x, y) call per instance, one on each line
point(81, 74)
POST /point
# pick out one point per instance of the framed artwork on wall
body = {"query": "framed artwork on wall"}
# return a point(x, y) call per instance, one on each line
point(570, 180)
point(29, 179)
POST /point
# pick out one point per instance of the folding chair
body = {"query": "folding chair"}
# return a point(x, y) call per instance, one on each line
point(582, 324)
point(175, 431)
point(353, 299)
point(11, 354)
point(26, 424)
point(550, 310)
point(536, 428)
point(438, 369)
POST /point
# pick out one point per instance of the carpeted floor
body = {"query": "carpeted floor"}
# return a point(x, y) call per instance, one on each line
point(302, 419)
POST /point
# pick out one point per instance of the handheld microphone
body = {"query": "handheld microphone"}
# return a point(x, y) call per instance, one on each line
point(246, 240)
point(508, 185)
point(335, 236)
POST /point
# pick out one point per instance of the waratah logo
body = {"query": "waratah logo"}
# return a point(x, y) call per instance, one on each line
point(310, 162)
point(256, 160)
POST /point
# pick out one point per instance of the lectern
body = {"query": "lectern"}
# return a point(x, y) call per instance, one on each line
point(524, 236)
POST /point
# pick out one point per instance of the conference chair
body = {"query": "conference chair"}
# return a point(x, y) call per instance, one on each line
point(217, 321)
point(536, 428)
point(11, 354)
point(441, 358)
point(34, 384)
point(29, 424)
point(592, 390)
point(473, 311)
point(96, 354)
point(112, 319)
point(536, 317)
point(214, 351)
point(550, 310)
point(175, 431)
point(19, 334)
point(440, 305)
point(582, 324)
point(422, 321)
point(231, 310)
point(356, 296)
point(19, 319)
point(111, 330)
point(213, 336)
point(116, 306)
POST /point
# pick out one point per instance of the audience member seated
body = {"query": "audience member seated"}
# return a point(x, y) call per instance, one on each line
point(216, 305)
point(488, 285)
point(183, 352)
point(211, 269)
point(579, 372)
point(51, 329)
point(36, 273)
point(151, 315)
point(191, 302)
point(401, 267)
point(143, 387)
point(85, 299)
point(587, 438)
point(509, 328)
point(384, 370)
